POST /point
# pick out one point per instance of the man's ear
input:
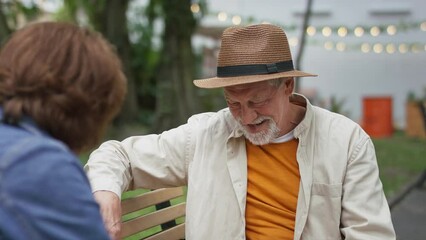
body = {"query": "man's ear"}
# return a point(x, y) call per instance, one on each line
point(289, 85)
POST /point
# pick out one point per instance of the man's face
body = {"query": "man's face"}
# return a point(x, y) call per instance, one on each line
point(259, 108)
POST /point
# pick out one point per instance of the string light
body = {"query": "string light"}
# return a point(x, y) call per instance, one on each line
point(326, 31)
point(311, 31)
point(375, 31)
point(293, 41)
point(390, 48)
point(329, 45)
point(359, 31)
point(341, 46)
point(391, 30)
point(365, 47)
point(423, 26)
point(378, 48)
point(403, 48)
point(195, 8)
point(342, 31)
point(222, 16)
point(236, 20)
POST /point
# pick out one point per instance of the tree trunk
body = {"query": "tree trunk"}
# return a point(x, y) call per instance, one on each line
point(109, 17)
point(176, 99)
point(302, 42)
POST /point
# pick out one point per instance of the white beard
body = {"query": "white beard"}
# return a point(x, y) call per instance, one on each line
point(263, 137)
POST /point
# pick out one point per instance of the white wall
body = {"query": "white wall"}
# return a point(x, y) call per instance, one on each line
point(354, 75)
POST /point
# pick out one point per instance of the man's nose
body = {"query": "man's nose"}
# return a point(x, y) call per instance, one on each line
point(248, 115)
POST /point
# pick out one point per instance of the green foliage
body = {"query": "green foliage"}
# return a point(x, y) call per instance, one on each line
point(72, 9)
point(145, 59)
point(337, 106)
point(411, 96)
point(211, 100)
point(67, 13)
point(15, 11)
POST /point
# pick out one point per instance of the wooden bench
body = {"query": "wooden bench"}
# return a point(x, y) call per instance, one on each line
point(141, 213)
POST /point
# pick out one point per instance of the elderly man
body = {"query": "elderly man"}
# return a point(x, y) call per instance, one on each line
point(270, 166)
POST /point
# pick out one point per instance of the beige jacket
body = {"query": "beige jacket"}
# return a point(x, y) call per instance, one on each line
point(340, 195)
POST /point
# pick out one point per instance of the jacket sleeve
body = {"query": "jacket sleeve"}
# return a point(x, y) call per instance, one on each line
point(150, 161)
point(365, 211)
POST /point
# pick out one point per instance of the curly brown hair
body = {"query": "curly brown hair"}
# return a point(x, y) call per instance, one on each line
point(66, 78)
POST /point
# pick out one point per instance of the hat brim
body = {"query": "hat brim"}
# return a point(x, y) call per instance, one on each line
point(218, 82)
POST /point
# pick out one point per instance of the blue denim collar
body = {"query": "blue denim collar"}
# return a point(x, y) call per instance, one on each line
point(25, 123)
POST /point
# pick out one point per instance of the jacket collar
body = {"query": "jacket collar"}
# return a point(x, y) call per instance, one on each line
point(303, 126)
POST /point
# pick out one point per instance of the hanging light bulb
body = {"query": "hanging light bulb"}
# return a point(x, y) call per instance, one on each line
point(236, 20)
point(390, 48)
point(403, 48)
point(342, 31)
point(391, 30)
point(359, 31)
point(326, 31)
point(365, 47)
point(311, 30)
point(328, 45)
point(195, 8)
point(341, 46)
point(375, 31)
point(423, 26)
point(222, 16)
point(378, 48)
point(293, 41)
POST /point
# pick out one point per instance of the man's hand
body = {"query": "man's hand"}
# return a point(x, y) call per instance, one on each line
point(110, 206)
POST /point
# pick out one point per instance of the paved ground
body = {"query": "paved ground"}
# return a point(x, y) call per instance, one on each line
point(409, 214)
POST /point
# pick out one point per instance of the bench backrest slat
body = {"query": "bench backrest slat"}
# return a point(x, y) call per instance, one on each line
point(149, 198)
point(155, 218)
point(174, 233)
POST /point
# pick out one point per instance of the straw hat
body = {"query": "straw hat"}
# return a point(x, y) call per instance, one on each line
point(252, 54)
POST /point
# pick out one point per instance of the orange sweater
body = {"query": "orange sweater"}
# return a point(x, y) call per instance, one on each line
point(273, 186)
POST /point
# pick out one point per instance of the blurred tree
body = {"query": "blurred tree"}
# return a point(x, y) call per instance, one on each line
point(146, 58)
point(176, 98)
point(14, 13)
point(109, 18)
point(305, 24)
point(161, 78)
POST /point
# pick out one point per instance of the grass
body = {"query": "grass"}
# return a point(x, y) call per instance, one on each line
point(400, 159)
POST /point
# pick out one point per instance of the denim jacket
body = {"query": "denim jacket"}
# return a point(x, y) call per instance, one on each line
point(44, 192)
point(340, 193)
